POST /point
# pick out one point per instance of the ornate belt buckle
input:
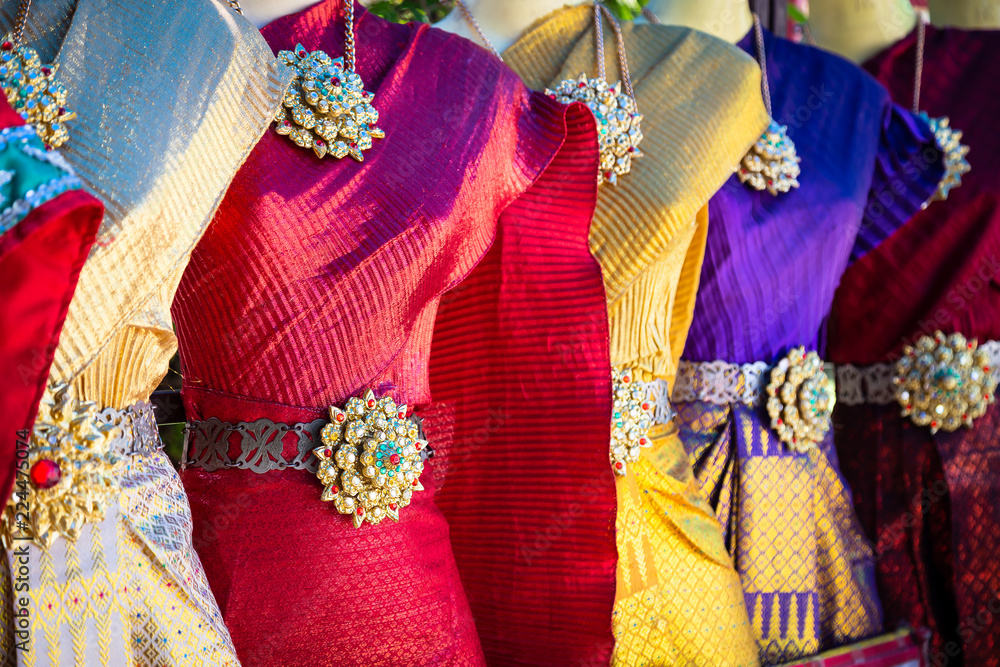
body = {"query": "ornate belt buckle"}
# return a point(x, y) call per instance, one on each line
point(631, 418)
point(944, 382)
point(370, 460)
point(800, 400)
point(69, 472)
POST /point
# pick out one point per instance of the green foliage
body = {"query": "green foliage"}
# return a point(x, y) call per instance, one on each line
point(430, 11)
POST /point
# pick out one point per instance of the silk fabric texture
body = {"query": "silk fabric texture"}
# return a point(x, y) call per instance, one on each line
point(157, 138)
point(767, 282)
point(678, 598)
point(319, 280)
point(40, 261)
point(930, 502)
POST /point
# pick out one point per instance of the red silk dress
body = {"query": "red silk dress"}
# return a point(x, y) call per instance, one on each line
point(931, 503)
point(40, 261)
point(318, 280)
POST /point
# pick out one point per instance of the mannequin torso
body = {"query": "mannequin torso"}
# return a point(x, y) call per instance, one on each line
point(262, 12)
point(726, 19)
point(858, 29)
point(501, 21)
point(969, 14)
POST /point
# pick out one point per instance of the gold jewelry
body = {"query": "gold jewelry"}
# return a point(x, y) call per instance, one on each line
point(948, 140)
point(326, 107)
point(772, 163)
point(370, 462)
point(631, 419)
point(800, 400)
point(616, 112)
point(31, 87)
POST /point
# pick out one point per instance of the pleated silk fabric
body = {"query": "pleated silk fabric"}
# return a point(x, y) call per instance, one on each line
point(320, 279)
point(678, 598)
point(770, 269)
point(169, 101)
point(40, 261)
point(932, 502)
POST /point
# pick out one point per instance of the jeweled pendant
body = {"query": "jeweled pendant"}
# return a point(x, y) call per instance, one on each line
point(631, 419)
point(800, 400)
point(326, 107)
point(948, 140)
point(618, 122)
point(32, 90)
point(771, 164)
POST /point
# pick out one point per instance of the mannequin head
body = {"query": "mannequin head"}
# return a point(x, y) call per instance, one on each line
point(503, 21)
point(858, 29)
point(726, 19)
point(262, 12)
point(969, 14)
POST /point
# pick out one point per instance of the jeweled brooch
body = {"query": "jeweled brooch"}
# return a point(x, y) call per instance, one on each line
point(949, 142)
point(618, 122)
point(800, 400)
point(944, 382)
point(69, 472)
point(370, 461)
point(771, 163)
point(631, 418)
point(32, 91)
point(326, 107)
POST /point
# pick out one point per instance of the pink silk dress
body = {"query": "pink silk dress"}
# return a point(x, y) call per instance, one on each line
point(321, 279)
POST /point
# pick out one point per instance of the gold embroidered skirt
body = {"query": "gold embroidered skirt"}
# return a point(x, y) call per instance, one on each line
point(679, 599)
point(131, 590)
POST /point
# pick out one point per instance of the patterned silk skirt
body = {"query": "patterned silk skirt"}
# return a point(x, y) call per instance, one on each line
point(679, 600)
point(788, 521)
point(931, 504)
point(131, 591)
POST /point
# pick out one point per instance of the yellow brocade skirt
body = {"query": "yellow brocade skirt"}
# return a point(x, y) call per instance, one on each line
point(678, 599)
point(130, 592)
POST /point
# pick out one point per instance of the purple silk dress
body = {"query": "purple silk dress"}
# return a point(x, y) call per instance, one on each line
point(772, 264)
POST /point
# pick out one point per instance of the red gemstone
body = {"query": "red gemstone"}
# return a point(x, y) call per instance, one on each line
point(415, 482)
point(401, 414)
point(354, 145)
point(645, 406)
point(302, 54)
point(287, 123)
point(371, 401)
point(361, 511)
point(631, 149)
point(336, 81)
point(394, 459)
point(934, 424)
point(46, 71)
point(371, 126)
point(780, 422)
point(552, 96)
point(618, 465)
point(319, 142)
point(45, 474)
point(340, 416)
point(581, 85)
point(334, 490)
point(392, 506)
point(62, 110)
point(986, 369)
point(419, 446)
point(328, 452)
point(642, 441)
point(607, 175)
point(970, 346)
point(626, 379)
point(7, 46)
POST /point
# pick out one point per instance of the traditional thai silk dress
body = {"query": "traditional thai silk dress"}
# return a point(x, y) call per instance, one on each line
point(678, 598)
point(47, 225)
point(930, 502)
point(158, 136)
point(320, 280)
point(771, 266)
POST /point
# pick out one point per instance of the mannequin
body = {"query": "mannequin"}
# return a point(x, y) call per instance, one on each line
point(968, 14)
point(725, 19)
point(858, 29)
point(262, 12)
point(502, 22)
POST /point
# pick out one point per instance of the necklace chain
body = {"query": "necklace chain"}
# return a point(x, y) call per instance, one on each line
point(765, 89)
point(918, 70)
point(598, 40)
point(348, 29)
point(22, 20)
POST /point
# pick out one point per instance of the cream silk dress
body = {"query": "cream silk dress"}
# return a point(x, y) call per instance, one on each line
point(170, 99)
point(678, 598)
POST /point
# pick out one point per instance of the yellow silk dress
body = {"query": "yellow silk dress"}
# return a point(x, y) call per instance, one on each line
point(170, 98)
point(678, 597)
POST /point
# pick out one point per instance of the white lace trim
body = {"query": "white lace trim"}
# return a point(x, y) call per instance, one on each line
point(137, 430)
point(659, 393)
point(857, 385)
point(719, 382)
